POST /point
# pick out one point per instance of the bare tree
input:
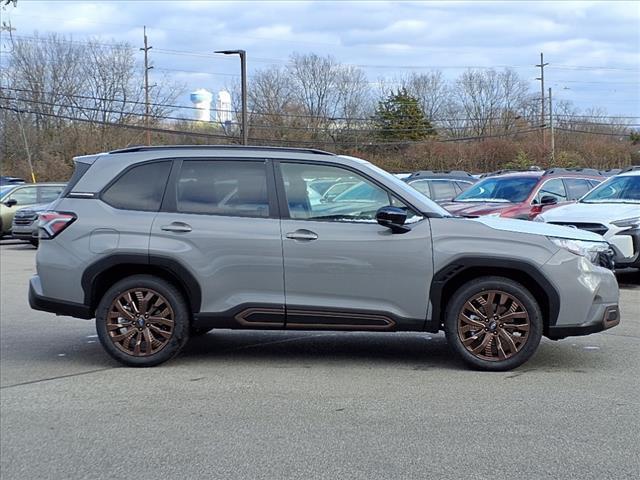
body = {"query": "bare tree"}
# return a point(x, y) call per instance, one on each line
point(51, 81)
point(430, 89)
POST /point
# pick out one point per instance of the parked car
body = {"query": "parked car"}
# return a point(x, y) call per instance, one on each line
point(336, 189)
point(612, 210)
point(13, 197)
point(25, 223)
point(525, 194)
point(441, 185)
point(161, 243)
point(7, 180)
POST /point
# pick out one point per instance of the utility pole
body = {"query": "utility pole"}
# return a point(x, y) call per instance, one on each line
point(6, 27)
point(553, 140)
point(541, 78)
point(146, 85)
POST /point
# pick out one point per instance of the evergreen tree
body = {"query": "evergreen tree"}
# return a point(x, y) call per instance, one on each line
point(399, 117)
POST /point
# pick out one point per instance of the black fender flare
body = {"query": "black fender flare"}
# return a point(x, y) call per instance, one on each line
point(172, 267)
point(464, 263)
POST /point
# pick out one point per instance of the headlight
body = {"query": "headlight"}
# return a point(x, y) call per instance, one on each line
point(628, 222)
point(590, 250)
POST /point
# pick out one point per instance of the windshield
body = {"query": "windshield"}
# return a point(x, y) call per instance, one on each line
point(499, 189)
point(6, 189)
point(624, 189)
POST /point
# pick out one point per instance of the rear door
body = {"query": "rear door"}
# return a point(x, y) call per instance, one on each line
point(220, 221)
point(342, 269)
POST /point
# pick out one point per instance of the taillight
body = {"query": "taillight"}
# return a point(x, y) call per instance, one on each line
point(51, 224)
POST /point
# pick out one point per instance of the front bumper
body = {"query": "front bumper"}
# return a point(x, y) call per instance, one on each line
point(37, 301)
point(622, 260)
point(610, 318)
point(588, 293)
point(24, 232)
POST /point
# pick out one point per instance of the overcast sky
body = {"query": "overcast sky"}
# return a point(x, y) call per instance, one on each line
point(593, 47)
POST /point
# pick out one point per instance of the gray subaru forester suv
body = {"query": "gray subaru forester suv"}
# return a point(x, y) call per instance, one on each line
point(163, 243)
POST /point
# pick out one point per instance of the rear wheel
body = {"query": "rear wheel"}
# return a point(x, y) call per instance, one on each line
point(493, 323)
point(142, 321)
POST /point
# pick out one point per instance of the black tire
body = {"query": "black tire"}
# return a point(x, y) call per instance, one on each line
point(199, 331)
point(525, 337)
point(173, 342)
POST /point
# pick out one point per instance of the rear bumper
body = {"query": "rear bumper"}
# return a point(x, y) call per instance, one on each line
point(37, 301)
point(609, 318)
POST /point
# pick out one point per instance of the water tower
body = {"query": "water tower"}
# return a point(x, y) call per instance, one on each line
point(201, 100)
point(223, 107)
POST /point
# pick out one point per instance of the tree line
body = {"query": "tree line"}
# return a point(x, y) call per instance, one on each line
point(60, 98)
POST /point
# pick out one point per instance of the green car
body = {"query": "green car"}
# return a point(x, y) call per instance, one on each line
point(13, 197)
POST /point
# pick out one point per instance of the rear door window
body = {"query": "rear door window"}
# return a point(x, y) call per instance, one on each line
point(442, 190)
point(553, 188)
point(422, 186)
point(576, 187)
point(139, 188)
point(233, 188)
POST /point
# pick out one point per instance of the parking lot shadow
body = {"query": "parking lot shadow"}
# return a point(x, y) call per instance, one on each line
point(306, 348)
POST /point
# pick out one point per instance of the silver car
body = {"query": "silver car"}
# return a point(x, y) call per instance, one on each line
point(163, 243)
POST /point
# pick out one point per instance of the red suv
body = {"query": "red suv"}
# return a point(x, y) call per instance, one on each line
point(524, 194)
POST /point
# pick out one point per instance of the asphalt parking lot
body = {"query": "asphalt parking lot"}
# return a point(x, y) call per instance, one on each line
point(282, 405)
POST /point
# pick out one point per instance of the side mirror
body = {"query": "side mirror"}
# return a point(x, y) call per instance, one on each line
point(11, 202)
point(548, 200)
point(392, 218)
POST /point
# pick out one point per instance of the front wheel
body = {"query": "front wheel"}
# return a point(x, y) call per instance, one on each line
point(142, 321)
point(493, 323)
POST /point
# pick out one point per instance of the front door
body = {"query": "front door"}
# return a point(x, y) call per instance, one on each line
point(343, 270)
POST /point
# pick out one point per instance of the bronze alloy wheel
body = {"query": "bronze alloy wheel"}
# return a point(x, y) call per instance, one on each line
point(140, 322)
point(493, 325)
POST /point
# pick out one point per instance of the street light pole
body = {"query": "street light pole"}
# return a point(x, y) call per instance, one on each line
point(243, 74)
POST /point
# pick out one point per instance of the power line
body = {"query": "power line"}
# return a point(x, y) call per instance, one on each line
point(571, 130)
point(326, 127)
point(267, 140)
point(469, 121)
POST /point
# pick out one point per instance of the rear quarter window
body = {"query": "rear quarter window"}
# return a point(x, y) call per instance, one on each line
point(139, 188)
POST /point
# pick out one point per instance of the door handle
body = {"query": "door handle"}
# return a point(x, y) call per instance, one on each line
point(177, 227)
point(302, 234)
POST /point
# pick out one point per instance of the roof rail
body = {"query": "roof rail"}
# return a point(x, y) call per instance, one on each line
point(586, 171)
point(632, 168)
point(460, 173)
point(145, 148)
point(502, 171)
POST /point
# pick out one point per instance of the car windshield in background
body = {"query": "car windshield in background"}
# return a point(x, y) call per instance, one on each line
point(624, 189)
point(499, 189)
point(5, 190)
